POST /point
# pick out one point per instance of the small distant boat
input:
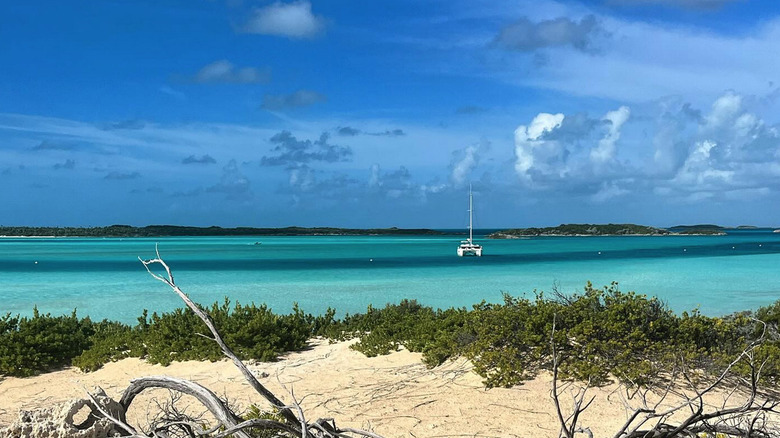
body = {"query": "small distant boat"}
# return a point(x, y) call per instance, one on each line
point(468, 247)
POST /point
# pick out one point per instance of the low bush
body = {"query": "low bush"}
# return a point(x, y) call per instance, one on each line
point(599, 335)
point(32, 344)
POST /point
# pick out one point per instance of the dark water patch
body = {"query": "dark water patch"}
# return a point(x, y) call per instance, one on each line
point(728, 249)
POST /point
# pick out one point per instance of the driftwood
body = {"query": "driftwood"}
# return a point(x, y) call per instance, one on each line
point(289, 420)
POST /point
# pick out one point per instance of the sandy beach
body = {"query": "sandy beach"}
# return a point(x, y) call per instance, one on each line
point(393, 395)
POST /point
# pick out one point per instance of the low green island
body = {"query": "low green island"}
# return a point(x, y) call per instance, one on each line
point(607, 230)
point(181, 231)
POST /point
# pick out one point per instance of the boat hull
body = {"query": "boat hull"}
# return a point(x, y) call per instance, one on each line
point(470, 250)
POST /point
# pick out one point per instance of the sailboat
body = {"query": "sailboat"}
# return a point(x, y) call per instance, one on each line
point(468, 247)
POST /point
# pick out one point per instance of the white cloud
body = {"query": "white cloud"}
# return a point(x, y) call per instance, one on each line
point(528, 142)
point(464, 161)
point(292, 20)
point(605, 151)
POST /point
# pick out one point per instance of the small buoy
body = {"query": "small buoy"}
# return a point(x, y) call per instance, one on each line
point(370, 260)
point(599, 252)
point(760, 244)
point(36, 262)
point(733, 247)
point(685, 249)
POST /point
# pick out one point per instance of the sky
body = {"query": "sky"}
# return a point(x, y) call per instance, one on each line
point(382, 113)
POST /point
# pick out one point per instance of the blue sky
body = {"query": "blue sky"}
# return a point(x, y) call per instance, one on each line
point(381, 113)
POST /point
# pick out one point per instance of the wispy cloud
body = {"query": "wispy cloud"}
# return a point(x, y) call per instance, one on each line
point(223, 71)
point(693, 4)
point(124, 124)
point(292, 20)
point(165, 89)
point(298, 99)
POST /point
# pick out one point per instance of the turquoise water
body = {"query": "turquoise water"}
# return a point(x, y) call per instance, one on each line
point(104, 279)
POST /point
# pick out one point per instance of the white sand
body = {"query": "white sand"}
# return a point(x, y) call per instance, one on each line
point(393, 395)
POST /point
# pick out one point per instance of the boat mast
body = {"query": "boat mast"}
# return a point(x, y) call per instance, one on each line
point(471, 208)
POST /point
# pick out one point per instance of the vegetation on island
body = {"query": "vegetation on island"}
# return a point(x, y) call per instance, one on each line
point(177, 231)
point(700, 230)
point(581, 230)
point(609, 230)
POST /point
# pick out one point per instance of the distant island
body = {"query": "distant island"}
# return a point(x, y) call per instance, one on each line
point(700, 230)
point(606, 230)
point(181, 231)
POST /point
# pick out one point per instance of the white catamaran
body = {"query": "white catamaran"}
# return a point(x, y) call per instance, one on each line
point(468, 247)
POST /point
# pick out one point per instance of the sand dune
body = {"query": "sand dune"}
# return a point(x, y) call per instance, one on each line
point(393, 395)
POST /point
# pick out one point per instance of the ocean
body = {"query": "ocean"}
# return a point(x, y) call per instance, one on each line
point(103, 278)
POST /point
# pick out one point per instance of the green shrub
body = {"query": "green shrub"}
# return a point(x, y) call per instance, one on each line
point(110, 342)
point(39, 343)
point(599, 335)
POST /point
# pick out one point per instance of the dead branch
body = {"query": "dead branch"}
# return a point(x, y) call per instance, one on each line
point(176, 422)
point(747, 419)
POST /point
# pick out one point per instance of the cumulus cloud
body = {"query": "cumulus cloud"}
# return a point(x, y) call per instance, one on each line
point(464, 161)
point(225, 72)
point(289, 151)
point(700, 169)
point(717, 155)
point(529, 141)
point(572, 153)
point(203, 159)
point(116, 175)
point(292, 20)
point(399, 183)
point(300, 98)
point(731, 150)
point(526, 36)
point(605, 151)
point(670, 144)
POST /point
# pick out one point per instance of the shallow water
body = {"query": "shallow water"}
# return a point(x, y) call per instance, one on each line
point(104, 279)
